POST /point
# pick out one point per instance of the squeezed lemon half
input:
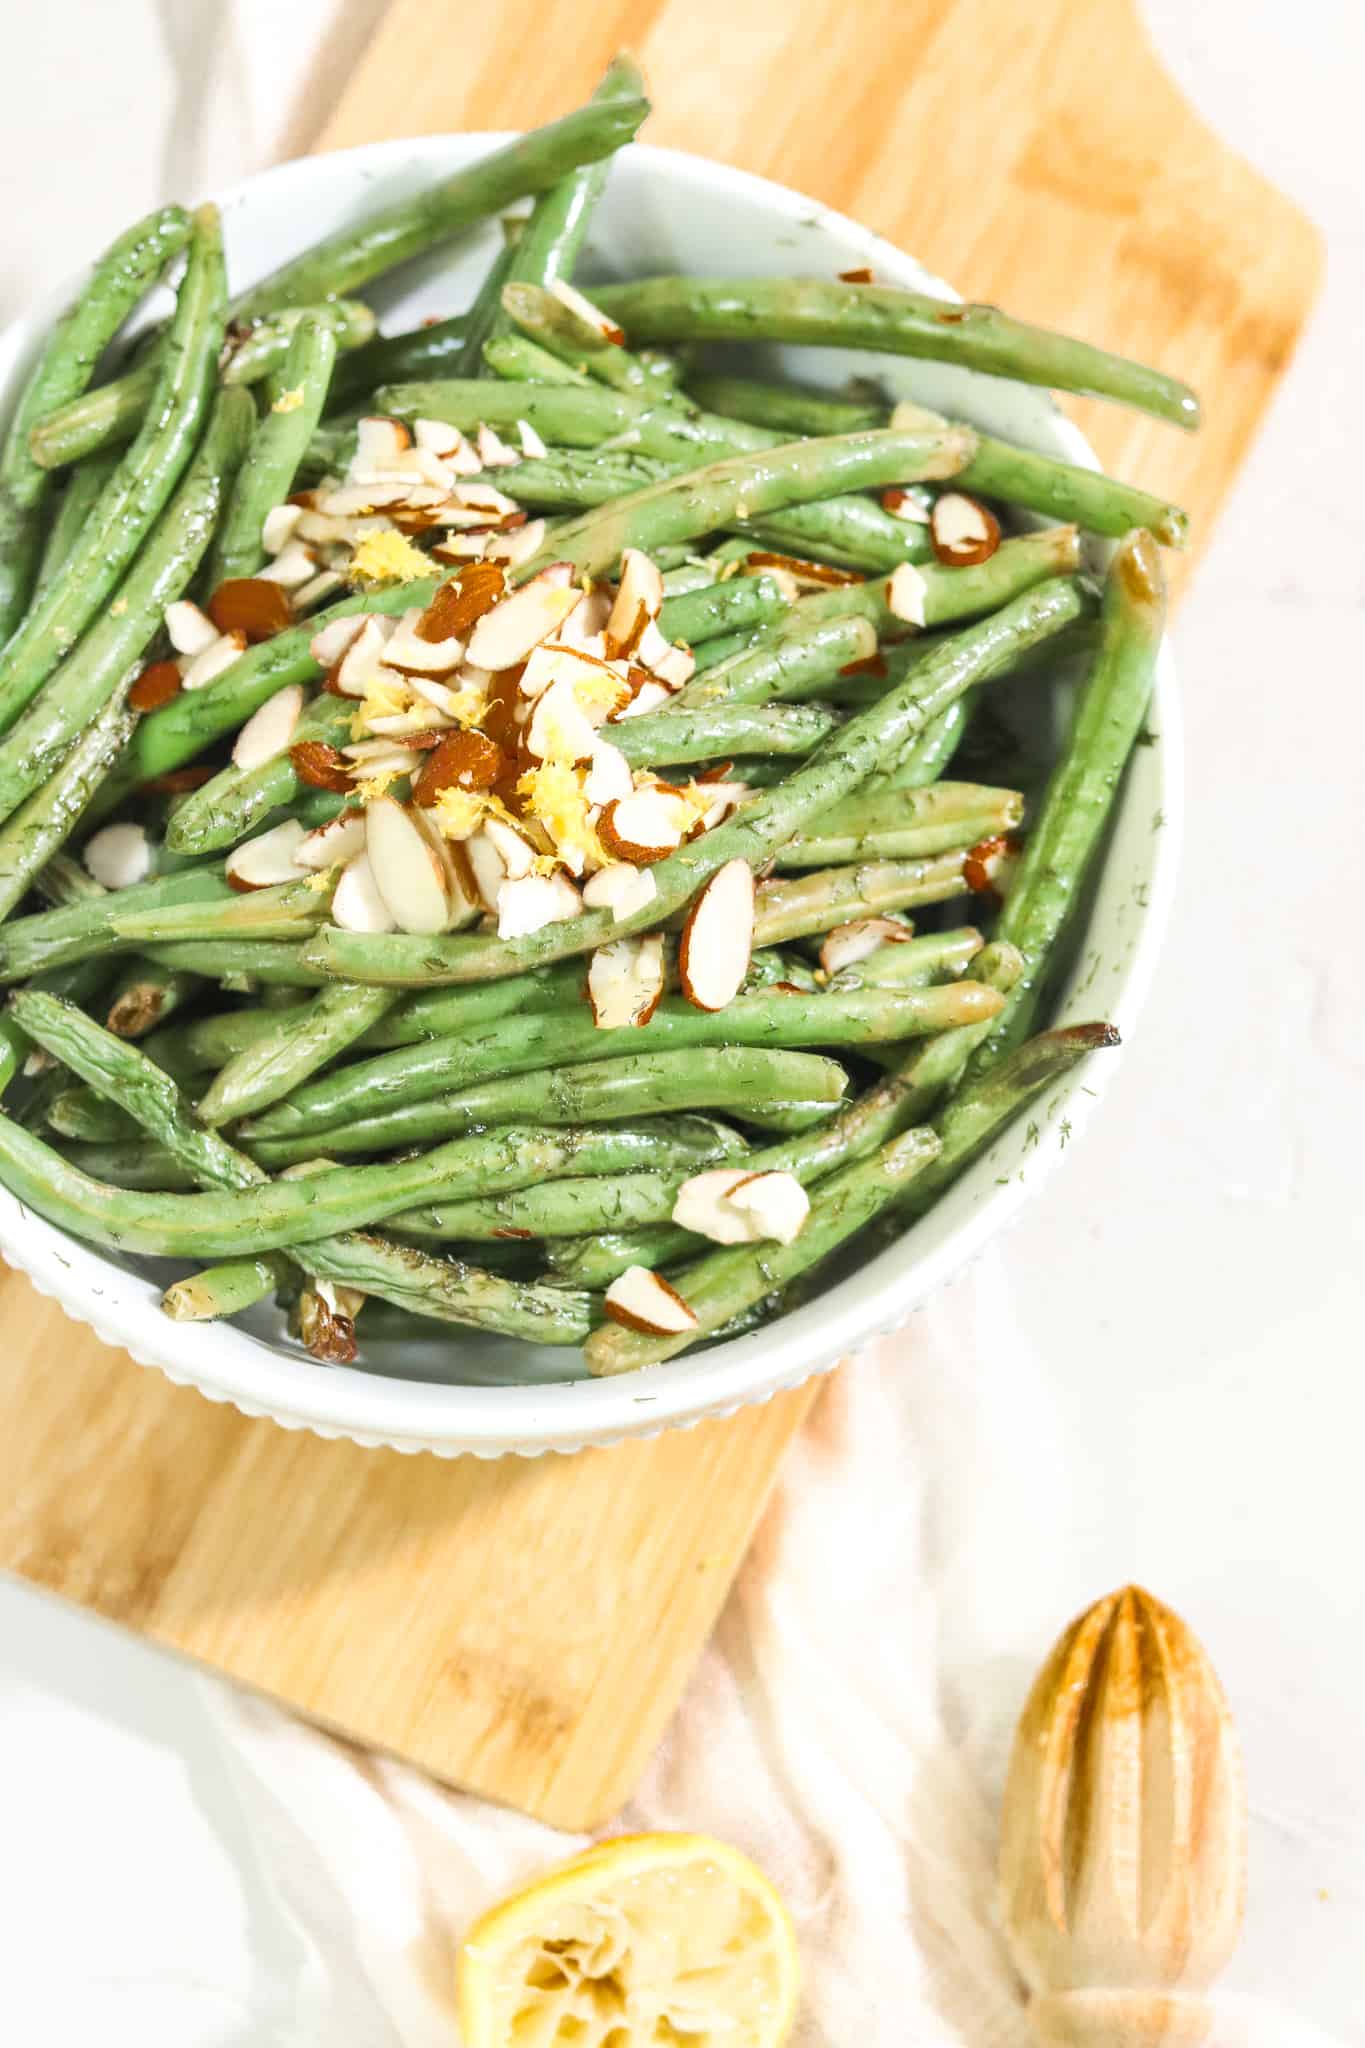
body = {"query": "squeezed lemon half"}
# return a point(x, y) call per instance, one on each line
point(648, 1941)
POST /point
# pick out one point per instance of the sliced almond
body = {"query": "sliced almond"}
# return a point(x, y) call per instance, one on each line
point(534, 901)
point(253, 606)
point(190, 629)
point(460, 602)
point(340, 839)
point(514, 850)
point(989, 867)
point(675, 667)
point(214, 661)
point(625, 982)
point(585, 627)
point(718, 938)
point(621, 888)
point(531, 443)
point(649, 696)
point(357, 905)
point(269, 729)
point(278, 525)
point(380, 444)
point(398, 760)
point(602, 686)
point(268, 859)
point(479, 504)
point(646, 826)
point(776, 1205)
point(593, 320)
point(462, 895)
point(310, 595)
point(448, 444)
point(330, 643)
point(639, 596)
point(726, 799)
point(905, 594)
point(487, 867)
point(701, 1205)
point(293, 568)
point(118, 856)
point(963, 530)
point(408, 871)
point(409, 654)
point(463, 760)
point(359, 665)
point(847, 944)
point(608, 778)
point(559, 728)
point(320, 766)
point(643, 1300)
point(350, 501)
point(493, 452)
point(520, 545)
point(911, 506)
point(155, 686)
point(504, 637)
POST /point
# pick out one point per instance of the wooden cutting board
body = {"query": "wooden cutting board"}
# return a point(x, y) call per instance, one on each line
point(524, 1629)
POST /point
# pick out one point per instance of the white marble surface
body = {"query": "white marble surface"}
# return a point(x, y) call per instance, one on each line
point(1203, 1343)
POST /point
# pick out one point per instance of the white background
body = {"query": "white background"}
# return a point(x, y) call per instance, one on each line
point(1193, 1280)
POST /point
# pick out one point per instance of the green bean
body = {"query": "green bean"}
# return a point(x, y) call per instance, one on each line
point(143, 1165)
point(904, 824)
point(66, 880)
point(524, 1045)
point(725, 647)
point(223, 1290)
point(519, 361)
point(406, 227)
point(550, 244)
point(270, 962)
point(563, 332)
point(294, 1051)
point(566, 480)
point(34, 832)
point(725, 1282)
point(563, 1208)
point(266, 477)
point(428, 351)
point(748, 1080)
point(722, 608)
point(78, 1113)
point(55, 938)
point(111, 414)
point(137, 492)
point(820, 312)
point(787, 409)
point(1042, 899)
point(483, 313)
point(1059, 490)
point(948, 595)
point(99, 666)
point(74, 508)
point(282, 912)
point(794, 907)
point(721, 731)
point(144, 995)
point(61, 371)
point(754, 834)
point(915, 962)
point(933, 1071)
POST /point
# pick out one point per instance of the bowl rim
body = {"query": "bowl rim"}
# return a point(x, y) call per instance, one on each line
point(229, 1365)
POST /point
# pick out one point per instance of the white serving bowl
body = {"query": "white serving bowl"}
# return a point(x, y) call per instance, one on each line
point(663, 211)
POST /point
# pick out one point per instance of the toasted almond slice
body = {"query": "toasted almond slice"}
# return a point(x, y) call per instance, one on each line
point(505, 636)
point(190, 629)
point(639, 596)
point(585, 627)
point(214, 661)
point(554, 661)
point(519, 546)
point(912, 507)
point(531, 443)
point(340, 839)
point(529, 904)
point(487, 867)
point(348, 501)
point(399, 760)
point(357, 905)
point(118, 855)
point(408, 871)
point(321, 766)
point(620, 888)
point(726, 800)
point(656, 654)
point(609, 778)
point(559, 728)
point(594, 320)
point(278, 525)
point(963, 530)
point(431, 469)
point(310, 595)
point(905, 594)
point(462, 892)
point(989, 867)
point(513, 849)
point(411, 655)
point(701, 1205)
point(649, 695)
point(421, 726)
point(625, 982)
point(463, 760)
point(847, 944)
point(493, 451)
point(379, 444)
point(646, 826)
point(718, 938)
point(643, 1300)
point(675, 667)
point(359, 665)
point(481, 499)
point(776, 1205)
point(253, 605)
point(293, 567)
point(329, 644)
point(446, 701)
point(156, 686)
point(262, 862)
point(269, 729)
point(448, 444)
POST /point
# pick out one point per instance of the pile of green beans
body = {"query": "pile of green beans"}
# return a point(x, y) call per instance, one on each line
point(438, 1122)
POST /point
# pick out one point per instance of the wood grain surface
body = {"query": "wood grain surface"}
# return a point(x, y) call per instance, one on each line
point(525, 1629)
